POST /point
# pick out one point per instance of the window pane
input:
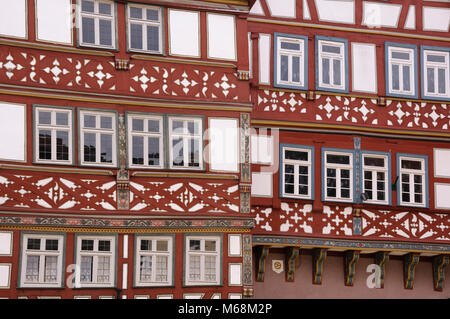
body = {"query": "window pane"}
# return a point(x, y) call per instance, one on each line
point(194, 244)
point(34, 243)
point(290, 46)
point(336, 72)
point(138, 150)
point(417, 178)
point(418, 198)
point(303, 190)
point(406, 78)
point(338, 159)
point(331, 182)
point(194, 153)
point(210, 268)
point(303, 169)
point(153, 126)
point(400, 55)
point(104, 245)
point(32, 271)
point(136, 36)
point(162, 245)
point(380, 186)
point(289, 188)
point(381, 196)
point(135, 13)
point(430, 80)
point(105, 122)
point(177, 149)
point(153, 151)
point(51, 270)
point(51, 244)
point(289, 178)
point(436, 58)
point(373, 161)
point(302, 179)
point(103, 269)
point(331, 172)
point(395, 77)
point(210, 245)
point(289, 168)
point(106, 148)
point(345, 193)
point(104, 8)
point(296, 155)
point(177, 127)
point(161, 268)
point(62, 145)
point(89, 121)
point(152, 38)
point(331, 192)
point(380, 176)
point(345, 183)
point(105, 32)
point(193, 127)
point(86, 269)
point(89, 147)
point(326, 71)
point(411, 164)
point(331, 49)
point(87, 244)
point(405, 197)
point(45, 144)
point(146, 268)
point(138, 125)
point(295, 69)
point(194, 268)
point(45, 117)
point(441, 81)
point(87, 6)
point(152, 15)
point(62, 118)
point(88, 30)
point(284, 68)
point(146, 244)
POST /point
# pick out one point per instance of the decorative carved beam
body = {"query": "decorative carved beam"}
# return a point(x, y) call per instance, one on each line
point(123, 176)
point(439, 264)
point(381, 258)
point(261, 254)
point(291, 255)
point(350, 259)
point(410, 262)
point(319, 256)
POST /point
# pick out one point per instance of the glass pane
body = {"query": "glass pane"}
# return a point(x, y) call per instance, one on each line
point(380, 176)
point(87, 6)
point(381, 196)
point(178, 152)
point(210, 245)
point(45, 117)
point(368, 185)
point(331, 172)
point(138, 150)
point(380, 186)
point(138, 125)
point(194, 153)
point(105, 32)
point(303, 180)
point(289, 168)
point(62, 145)
point(367, 174)
point(45, 144)
point(345, 193)
point(345, 173)
point(62, 118)
point(177, 127)
point(89, 121)
point(405, 178)
point(338, 159)
point(86, 269)
point(418, 188)
point(146, 244)
point(152, 15)
point(435, 58)
point(331, 182)
point(289, 188)
point(51, 270)
point(194, 268)
point(106, 148)
point(51, 244)
point(104, 8)
point(345, 183)
point(89, 147)
point(210, 268)
point(161, 268)
point(194, 244)
point(373, 161)
point(153, 151)
point(296, 155)
point(395, 77)
point(32, 272)
point(336, 72)
point(406, 78)
point(153, 126)
point(326, 71)
point(193, 127)
point(135, 13)
point(162, 245)
point(405, 197)
point(289, 178)
point(136, 36)
point(152, 38)
point(88, 29)
point(87, 244)
point(430, 80)
point(369, 194)
point(441, 81)
point(303, 190)
point(405, 187)
point(34, 243)
point(146, 268)
point(418, 198)
point(400, 55)
point(295, 69)
point(103, 269)
point(331, 192)
point(290, 46)
point(303, 170)
point(331, 49)
point(284, 68)
point(411, 164)
point(104, 245)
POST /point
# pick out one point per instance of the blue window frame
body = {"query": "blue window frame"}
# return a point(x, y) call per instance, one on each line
point(401, 70)
point(435, 73)
point(338, 176)
point(296, 171)
point(376, 177)
point(290, 61)
point(332, 64)
point(412, 187)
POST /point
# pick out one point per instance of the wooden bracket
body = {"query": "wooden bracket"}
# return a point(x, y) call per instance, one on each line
point(291, 255)
point(381, 258)
point(350, 259)
point(410, 262)
point(261, 254)
point(439, 264)
point(319, 256)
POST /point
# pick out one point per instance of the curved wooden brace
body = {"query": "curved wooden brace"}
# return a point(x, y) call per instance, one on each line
point(319, 256)
point(381, 258)
point(351, 258)
point(410, 262)
point(439, 264)
point(261, 254)
point(291, 255)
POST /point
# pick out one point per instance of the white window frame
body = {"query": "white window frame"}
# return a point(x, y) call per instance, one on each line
point(146, 135)
point(401, 64)
point(374, 170)
point(95, 253)
point(436, 65)
point(144, 23)
point(331, 57)
point(42, 253)
point(291, 53)
point(202, 254)
point(154, 254)
point(411, 173)
point(186, 137)
point(97, 17)
point(54, 128)
point(338, 168)
point(297, 164)
point(98, 131)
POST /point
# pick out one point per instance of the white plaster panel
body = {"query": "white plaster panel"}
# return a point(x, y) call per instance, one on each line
point(221, 36)
point(125, 246)
point(442, 196)
point(13, 18)
point(234, 245)
point(12, 131)
point(436, 19)
point(5, 273)
point(261, 149)
point(264, 58)
point(235, 274)
point(410, 22)
point(5, 243)
point(54, 20)
point(342, 11)
point(224, 144)
point(262, 184)
point(125, 277)
point(184, 33)
point(364, 67)
point(381, 14)
point(257, 8)
point(282, 8)
point(441, 162)
point(306, 13)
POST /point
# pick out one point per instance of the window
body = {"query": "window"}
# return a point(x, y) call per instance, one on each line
point(154, 261)
point(413, 180)
point(41, 261)
point(338, 174)
point(98, 138)
point(97, 23)
point(145, 141)
point(202, 261)
point(53, 135)
point(332, 64)
point(435, 76)
point(144, 28)
point(375, 178)
point(185, 142)
point(291, 59)
point(296, 168)
point(96, 259)
point(401, 69)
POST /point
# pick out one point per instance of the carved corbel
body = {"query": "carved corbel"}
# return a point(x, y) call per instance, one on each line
point(410, 262)
point(381, 258)
point(261, 255)
point(291, 255)
point(319, 256)
point(350, 259)
point(439, 264)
